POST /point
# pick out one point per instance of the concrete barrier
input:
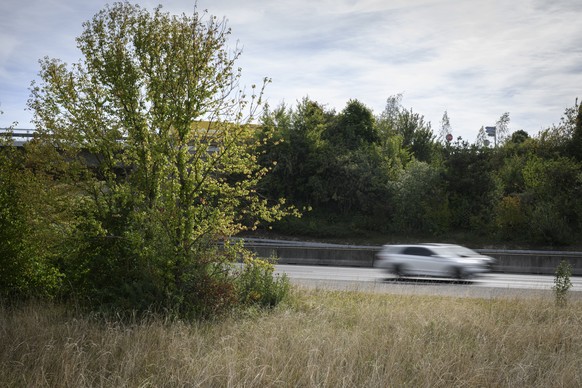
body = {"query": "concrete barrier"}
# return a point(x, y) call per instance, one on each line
point(342, 257)
point(508, 261)
point(535, 262)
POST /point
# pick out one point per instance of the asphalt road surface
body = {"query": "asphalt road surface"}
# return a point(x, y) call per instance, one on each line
point(375, 280)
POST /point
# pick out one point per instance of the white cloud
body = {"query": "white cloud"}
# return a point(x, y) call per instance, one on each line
point(475, 59)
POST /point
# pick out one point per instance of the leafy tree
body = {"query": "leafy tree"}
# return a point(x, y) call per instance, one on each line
point(417, 135)
point(388, 117)
point(28, 235)
point(470, 186)
point(353, 127)
point(294, 149)
point(274, 153)
point(502, 127)
point(154, 120)
point(354, 164)
point(557, 140)
point(554, 186)
point(511, 217)
point(13, 270)
point(510, 174)
point(395, 154)
point(421, 201)
point(337, 164)
point(519, 137)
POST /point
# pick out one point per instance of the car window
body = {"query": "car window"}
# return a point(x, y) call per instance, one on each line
point(417, 251)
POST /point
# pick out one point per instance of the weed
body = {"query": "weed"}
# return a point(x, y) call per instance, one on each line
point(562, 282)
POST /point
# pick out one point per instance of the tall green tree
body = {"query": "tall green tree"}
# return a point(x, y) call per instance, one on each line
point(554, 189)
point(417, 135)
point(558, 139)
point(469, 185)
point(294, 149)
point(155, 120)
point(502, 128)
point(30, 209)
point(353, 170)
point(421, 200)
point(354, 127)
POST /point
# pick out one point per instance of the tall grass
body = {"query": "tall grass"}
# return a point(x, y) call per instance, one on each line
point(317, 339)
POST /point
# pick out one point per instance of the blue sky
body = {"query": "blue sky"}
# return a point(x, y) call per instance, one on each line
point(475, 59)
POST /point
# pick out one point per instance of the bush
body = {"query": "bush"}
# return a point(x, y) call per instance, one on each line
point(27, 237)
point(258, 286)
point(510, 217)
point(562, 282)
point(548, 225)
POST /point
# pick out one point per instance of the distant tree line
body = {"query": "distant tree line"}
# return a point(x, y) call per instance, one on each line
point(356, 173)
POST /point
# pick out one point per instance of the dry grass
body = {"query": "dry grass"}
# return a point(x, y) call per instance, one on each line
point(320, 339)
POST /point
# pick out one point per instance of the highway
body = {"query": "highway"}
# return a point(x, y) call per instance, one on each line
point(374, 280)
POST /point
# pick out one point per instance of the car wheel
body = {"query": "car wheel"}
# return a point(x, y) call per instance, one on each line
point(457, 273)
point(398, 270)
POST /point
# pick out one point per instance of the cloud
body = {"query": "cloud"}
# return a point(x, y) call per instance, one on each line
point(475, 59)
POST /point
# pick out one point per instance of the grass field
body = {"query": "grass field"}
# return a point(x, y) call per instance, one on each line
point(317, 339)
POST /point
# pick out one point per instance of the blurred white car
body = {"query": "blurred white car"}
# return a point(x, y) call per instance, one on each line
point(441, 260)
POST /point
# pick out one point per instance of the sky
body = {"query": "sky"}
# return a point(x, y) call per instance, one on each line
point(474, 59)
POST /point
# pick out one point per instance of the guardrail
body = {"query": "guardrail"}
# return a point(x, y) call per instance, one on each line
point(508, 261)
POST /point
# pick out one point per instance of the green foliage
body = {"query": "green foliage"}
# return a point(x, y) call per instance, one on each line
point(417, 136)
point(553, 186)
point(158, 138)
point(562, 138)
point(519, 137)
point(334, 162)
point(12, 225)
point(547, 224)
point(27, 235)
point(510, 174)
point(258, 286)
point(421, 200)
point(353, 128)
point(511, 218)
point(525, 190)
point(562, 282)
point(293, 150)
point(470, 186)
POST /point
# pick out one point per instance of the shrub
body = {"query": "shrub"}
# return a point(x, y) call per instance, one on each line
point(562, 282)
point(258, 286)
point(27, 236)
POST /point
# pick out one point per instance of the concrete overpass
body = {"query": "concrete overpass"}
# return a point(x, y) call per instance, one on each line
point(19, 135)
